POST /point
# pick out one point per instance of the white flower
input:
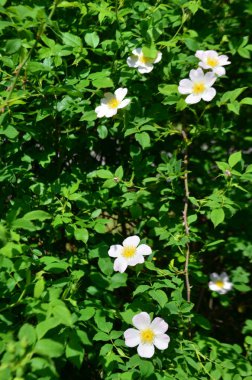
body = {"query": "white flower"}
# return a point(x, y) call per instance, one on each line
point(147, 335)
point(129, 253)
point(220, 283)
point(198, 86)
point(210, 59)
point(141, 62)
point(112, 102)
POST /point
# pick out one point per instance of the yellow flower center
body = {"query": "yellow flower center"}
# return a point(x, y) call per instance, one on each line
point(219, 283)
point(212, 61)
point(147, 336)
point(128, 252)
point(198, 88)
point(145, 60)
point(113, 103)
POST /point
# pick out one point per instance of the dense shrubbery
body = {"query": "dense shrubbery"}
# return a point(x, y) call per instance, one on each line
point(72, 185)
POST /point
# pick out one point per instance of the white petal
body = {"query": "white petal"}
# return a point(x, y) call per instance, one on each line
point(196, 75)
point(141, 321)
point(111, 112)
point(101, 110)
point(132, 337)
point(115, 250)
point(143, 249)
point(131, 241)
point(204, 65)
point(107, 97)
point(223, 276)
point(159, 57)
point(120, 93)
point(209, 79)
point(223, 60)
point(214, 276)
point(209, 94)
point(137, 259)
point(147, 68)
point(159, 326)
point(120, 265)
point(213, 286)
point(132, 61)
point(185, 86)
point(145, 350)
point(137, 51)
point(192, 99)
point(199, 54)
point(228, 285)
point(212, 54)
point(161, 341)
point(219, 71)
point(124, 103)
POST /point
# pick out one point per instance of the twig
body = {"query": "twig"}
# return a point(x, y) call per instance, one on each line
point(185, 215)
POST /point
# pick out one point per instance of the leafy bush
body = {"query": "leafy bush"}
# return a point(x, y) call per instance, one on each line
point(74, 184)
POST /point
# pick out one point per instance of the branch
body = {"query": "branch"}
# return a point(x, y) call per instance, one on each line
point(185, 215)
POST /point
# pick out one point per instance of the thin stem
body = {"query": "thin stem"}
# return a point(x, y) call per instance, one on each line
point(185, 215)
point(41, 30)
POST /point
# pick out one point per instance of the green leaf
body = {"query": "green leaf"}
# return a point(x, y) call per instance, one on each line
point(102, 173)
point(119, 172)
point(12, 46)
point(81, 234)
point(27, 334)
point(102, 131)
point(103, 83)
point(72, 40)
point(92, 39)
point(37, 215)
point(39, 287)
point(234, 159)
point(217, 216)
point(61, 312)
point(247, 101)
point(101, 336)
point(159, 296)
point(49, 347)
point(48, 324)
point(144, 139)
point(87, 313)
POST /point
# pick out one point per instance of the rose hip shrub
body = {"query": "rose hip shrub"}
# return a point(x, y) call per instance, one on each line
point(126, 173)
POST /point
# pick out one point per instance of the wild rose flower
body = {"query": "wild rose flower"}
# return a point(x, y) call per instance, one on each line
point(220, 283)
point(141, 62)
point(210, 59)
point(199, 86)
point(112, 102)
point(147, 335)
point(129, 253)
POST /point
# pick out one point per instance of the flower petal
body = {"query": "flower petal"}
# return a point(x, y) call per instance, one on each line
point(132, 337)
point(228, 286)
point(223, 276)
point(212, 286)
point(143, 249)
point(100, 111)
point(111, 112)
point(159, 326)
point(132, 61)
point(161, 341)
point(196, 75)
point(199, 54)
point(146, 68)
point(137, 51)
point(192, 99)
point(141, 321)
point(124, 103)
point(145, 350)
point(115, 250)
point(120, 265)
point(219, 71)
point(209, 94)
point(209, 79)
point(131, 241)
point(137, 259)
point(159, 57)
point(224, 60)
point(120, 93)
point(214, 276)
point(185, 86)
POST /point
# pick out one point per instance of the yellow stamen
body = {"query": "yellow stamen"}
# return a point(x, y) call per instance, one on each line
point(129, 252)
point(198, 88)
point(147, 336)
point(219, 283)
point(145, 60)
point(113, 103)
point(212, 62)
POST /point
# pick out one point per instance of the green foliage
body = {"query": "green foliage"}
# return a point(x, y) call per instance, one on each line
point(73, 184)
